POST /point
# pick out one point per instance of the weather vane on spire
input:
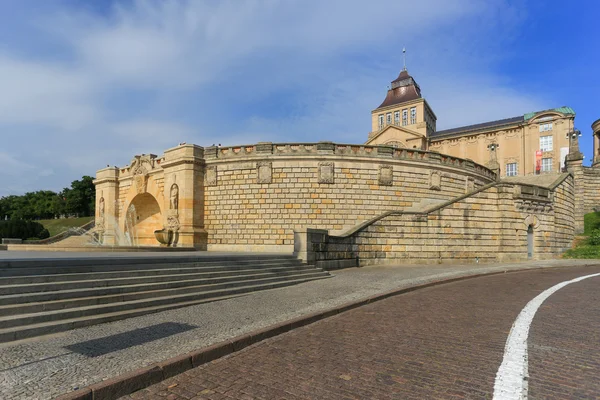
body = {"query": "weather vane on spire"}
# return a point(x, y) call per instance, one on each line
point(404, 56)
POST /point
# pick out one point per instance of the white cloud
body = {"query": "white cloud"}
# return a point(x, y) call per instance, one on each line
point(152, 73)
point(46, 94)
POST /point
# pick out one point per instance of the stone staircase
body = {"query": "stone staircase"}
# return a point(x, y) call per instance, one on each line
point(40, 297)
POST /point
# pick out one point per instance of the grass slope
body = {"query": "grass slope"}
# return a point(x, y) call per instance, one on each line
point(591, 221)
point(56, 226)
point(582, 248)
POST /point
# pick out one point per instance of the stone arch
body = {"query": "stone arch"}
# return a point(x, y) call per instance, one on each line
point(395, 143)
point(532, 220)
point(142, 217)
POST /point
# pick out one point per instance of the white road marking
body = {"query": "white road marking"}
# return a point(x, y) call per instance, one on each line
point(512, 376)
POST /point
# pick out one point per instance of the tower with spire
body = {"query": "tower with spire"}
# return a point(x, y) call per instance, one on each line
point(404, 118)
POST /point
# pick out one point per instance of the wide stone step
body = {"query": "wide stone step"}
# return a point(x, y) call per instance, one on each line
point(66, 293)
point(22, 332)
point(45, 269)
point(202, 292)
point(25, 306)
point(95, 280)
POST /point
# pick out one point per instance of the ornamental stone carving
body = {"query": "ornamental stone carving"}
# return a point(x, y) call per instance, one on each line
point(101, 207)
point(326, 172)
point(173, 223)
point(210, 175)
point(435, 181)
point(174, 197)
point(140, 166)
point(264, 171)
point(386, 175)
point(469, 184)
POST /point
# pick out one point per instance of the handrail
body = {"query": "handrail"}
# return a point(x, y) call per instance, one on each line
point(63, 235)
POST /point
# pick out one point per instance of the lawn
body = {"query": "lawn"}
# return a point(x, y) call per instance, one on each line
point(591, 221)
point(583, 250)
point(582, 247)
point(56, 226)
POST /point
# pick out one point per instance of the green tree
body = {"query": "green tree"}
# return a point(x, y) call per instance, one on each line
point(80, 199)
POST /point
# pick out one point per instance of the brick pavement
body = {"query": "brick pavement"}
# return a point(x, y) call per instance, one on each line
point(564, 349)
point(444, 342)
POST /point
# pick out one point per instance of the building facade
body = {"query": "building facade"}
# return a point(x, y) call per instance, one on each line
point(503, 190)
point(533, 143)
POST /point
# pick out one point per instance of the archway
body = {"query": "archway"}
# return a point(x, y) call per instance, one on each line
point(530, 241)
point(142, 218)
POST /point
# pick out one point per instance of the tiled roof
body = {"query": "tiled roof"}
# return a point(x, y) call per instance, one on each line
point(497, 124)
point(563, 110)
point(404, 89)
point(476, 127)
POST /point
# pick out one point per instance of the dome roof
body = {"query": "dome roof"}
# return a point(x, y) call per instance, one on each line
point(404, 88)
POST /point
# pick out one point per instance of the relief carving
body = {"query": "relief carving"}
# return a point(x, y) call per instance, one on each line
point(264, 171)
point(386, 175)
point(326, 172)
point(140, 180)
point(173, 223)
point(435, 181)
point(174, 198)
point(469, 185)
point(210, 178)
point(100, 222)
point(101, 207)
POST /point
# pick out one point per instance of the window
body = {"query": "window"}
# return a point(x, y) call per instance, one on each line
point(405, 117)
point(389, 118)
point(413, 115)
point(546, 164)
point(397, 117)
point(545, 127)
point(380, 120)
point(511, 169)
point(546, 143)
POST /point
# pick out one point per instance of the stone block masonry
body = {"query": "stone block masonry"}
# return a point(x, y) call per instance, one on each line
point(257, 199)
point(490, 224)
point(336, 205)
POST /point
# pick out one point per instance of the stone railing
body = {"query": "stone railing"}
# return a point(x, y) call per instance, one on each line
point(353, 150)
point(63, 235)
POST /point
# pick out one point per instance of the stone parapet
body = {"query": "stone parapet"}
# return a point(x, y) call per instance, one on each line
point(351, 150)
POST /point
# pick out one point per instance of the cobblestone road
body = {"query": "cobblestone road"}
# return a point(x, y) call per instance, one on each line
point(443, 342)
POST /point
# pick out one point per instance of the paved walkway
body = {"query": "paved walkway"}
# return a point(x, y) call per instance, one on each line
point(46, 367)
point(442, 342)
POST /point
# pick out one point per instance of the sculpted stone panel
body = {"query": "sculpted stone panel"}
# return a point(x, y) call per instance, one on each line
point(264, 171)
point(210, 178)
point(469, 184)
point(435, 181)
point(173, 223)
point(326, 172)
point(174, 197)
point(386, 175)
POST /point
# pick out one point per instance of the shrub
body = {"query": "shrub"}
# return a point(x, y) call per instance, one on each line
point(21, 229)
point(594, 237)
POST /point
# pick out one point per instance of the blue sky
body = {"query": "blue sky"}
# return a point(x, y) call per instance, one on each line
point(84, 84)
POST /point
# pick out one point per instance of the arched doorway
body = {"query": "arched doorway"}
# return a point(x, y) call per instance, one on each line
point(530, 241)
point(142, 218)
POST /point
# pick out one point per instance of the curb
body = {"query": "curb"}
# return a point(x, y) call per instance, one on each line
point(128, 383)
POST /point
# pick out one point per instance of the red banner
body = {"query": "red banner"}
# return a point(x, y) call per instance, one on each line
point(538, 161)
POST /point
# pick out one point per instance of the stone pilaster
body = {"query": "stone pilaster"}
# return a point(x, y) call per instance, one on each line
point(596, 136)
point(574, 165)
point(107, 192)
point(184, 167)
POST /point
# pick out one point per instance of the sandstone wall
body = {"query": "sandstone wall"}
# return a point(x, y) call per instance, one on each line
point(591, 184)
point(488, 225)
point(257, 196)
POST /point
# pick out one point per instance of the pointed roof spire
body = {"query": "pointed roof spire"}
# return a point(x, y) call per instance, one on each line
point(404, 57)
